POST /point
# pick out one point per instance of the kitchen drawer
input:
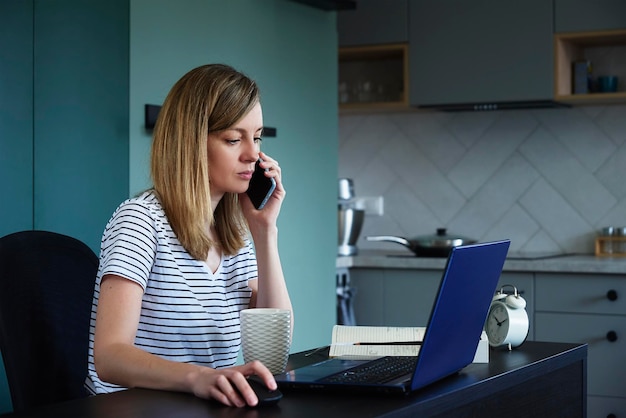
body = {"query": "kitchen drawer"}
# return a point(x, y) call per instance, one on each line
point(603, 406)
point(606, 366)
point(580, 293)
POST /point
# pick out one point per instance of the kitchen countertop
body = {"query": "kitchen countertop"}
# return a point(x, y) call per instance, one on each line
point(575, 263)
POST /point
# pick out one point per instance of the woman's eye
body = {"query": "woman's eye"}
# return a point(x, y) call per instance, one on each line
point(233, 141)
point(258, 139)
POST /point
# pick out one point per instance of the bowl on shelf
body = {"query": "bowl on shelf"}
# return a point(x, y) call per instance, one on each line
point(607, 84)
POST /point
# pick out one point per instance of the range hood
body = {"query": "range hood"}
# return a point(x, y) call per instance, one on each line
point(329, 4)
point(473, 107)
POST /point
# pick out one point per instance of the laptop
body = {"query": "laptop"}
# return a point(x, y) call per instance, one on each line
point(469, 281)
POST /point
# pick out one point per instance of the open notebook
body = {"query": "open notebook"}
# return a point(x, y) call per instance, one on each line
point(369, 342)
point(452, 334)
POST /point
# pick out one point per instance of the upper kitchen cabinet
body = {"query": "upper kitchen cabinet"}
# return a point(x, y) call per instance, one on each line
point(581, 58)
point(373, 56)
point(480, 54)
point(373, 78)
point(590, 42)
point(374, 22)
point(589, 15)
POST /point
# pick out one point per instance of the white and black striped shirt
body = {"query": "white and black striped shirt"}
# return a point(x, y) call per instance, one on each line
point(188, 313)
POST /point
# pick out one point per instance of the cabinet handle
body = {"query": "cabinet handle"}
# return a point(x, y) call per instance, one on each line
point(611, 336)
point(611, 295)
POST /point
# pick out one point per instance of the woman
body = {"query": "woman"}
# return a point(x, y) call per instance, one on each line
point(176, 262)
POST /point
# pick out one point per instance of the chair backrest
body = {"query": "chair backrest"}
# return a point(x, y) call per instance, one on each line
point(46, 290)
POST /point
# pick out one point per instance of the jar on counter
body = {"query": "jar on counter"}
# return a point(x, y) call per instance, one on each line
point(607, 246)
point(619, 245)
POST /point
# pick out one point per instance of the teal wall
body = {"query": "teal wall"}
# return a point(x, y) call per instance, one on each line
point(16, 116)
point(63, 118)
point(72, 143)
point(16, 129)
point(64, 131)
point(80, 115)
point(291, 50)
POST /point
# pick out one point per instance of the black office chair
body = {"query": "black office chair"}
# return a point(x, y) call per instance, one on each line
point(46, 288)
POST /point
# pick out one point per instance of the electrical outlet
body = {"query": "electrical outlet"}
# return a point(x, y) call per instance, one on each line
point(373, 205)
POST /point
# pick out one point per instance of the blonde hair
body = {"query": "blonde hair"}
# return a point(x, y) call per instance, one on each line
point(207, 99)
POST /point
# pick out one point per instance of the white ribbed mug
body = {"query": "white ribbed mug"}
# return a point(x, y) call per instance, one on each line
point(266, 336)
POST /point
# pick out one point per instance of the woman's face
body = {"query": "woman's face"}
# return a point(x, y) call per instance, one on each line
point(232, 154)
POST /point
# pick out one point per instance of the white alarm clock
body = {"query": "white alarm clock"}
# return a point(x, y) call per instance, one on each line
point(507, 322)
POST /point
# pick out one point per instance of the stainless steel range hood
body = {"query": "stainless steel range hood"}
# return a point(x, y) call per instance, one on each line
point(329, 4)
point(473, 107)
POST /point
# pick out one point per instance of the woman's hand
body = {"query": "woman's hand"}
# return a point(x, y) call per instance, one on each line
point(230, 385)
point(259, 218)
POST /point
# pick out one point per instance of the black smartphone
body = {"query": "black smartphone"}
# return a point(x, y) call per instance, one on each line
point(261, 187)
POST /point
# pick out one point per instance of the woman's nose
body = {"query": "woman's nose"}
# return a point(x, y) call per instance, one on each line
point(251, 152)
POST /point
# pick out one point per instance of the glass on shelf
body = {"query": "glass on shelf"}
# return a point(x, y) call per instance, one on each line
point(372, 75)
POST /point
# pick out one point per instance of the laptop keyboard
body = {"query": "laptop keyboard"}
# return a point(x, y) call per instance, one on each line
point(377, 371)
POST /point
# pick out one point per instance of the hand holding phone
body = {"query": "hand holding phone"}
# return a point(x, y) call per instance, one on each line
point(261, 187)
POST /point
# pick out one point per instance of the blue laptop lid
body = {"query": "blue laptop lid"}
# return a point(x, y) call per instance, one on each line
point(458, 315)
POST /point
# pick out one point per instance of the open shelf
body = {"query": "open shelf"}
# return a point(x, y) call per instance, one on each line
point(373, 77)
point(604, 49)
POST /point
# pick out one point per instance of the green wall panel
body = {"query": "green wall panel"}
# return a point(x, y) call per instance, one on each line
point(16, 116)
point(63, 118)
point(16, 130)
point(81, 114)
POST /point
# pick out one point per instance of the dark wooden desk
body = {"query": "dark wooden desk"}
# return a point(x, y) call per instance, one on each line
point(534, 380)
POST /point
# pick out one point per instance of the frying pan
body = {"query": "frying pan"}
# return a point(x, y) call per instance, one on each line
point(437, 245)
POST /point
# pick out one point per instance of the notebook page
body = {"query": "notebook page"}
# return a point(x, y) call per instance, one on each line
point(352, 341)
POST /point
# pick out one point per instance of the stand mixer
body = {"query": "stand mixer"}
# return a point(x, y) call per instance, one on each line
point(350, 219)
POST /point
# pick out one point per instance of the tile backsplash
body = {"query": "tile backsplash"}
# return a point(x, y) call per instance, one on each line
point(548, 179)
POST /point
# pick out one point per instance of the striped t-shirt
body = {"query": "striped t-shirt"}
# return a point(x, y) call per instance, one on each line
point(188, 313)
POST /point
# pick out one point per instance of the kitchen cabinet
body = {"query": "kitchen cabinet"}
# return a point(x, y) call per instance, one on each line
point(373, 56)
point(574, 299)
point(404, 297)
point(481, 51)
point(588, 309)
point(605, 50)
point(479, 55)
point(589, 15)
point(594, 31)
point(373, 77)
point(393, 297)
point(374, 22)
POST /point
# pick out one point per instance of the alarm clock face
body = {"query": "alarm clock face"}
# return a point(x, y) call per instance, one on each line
point(497, 326)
